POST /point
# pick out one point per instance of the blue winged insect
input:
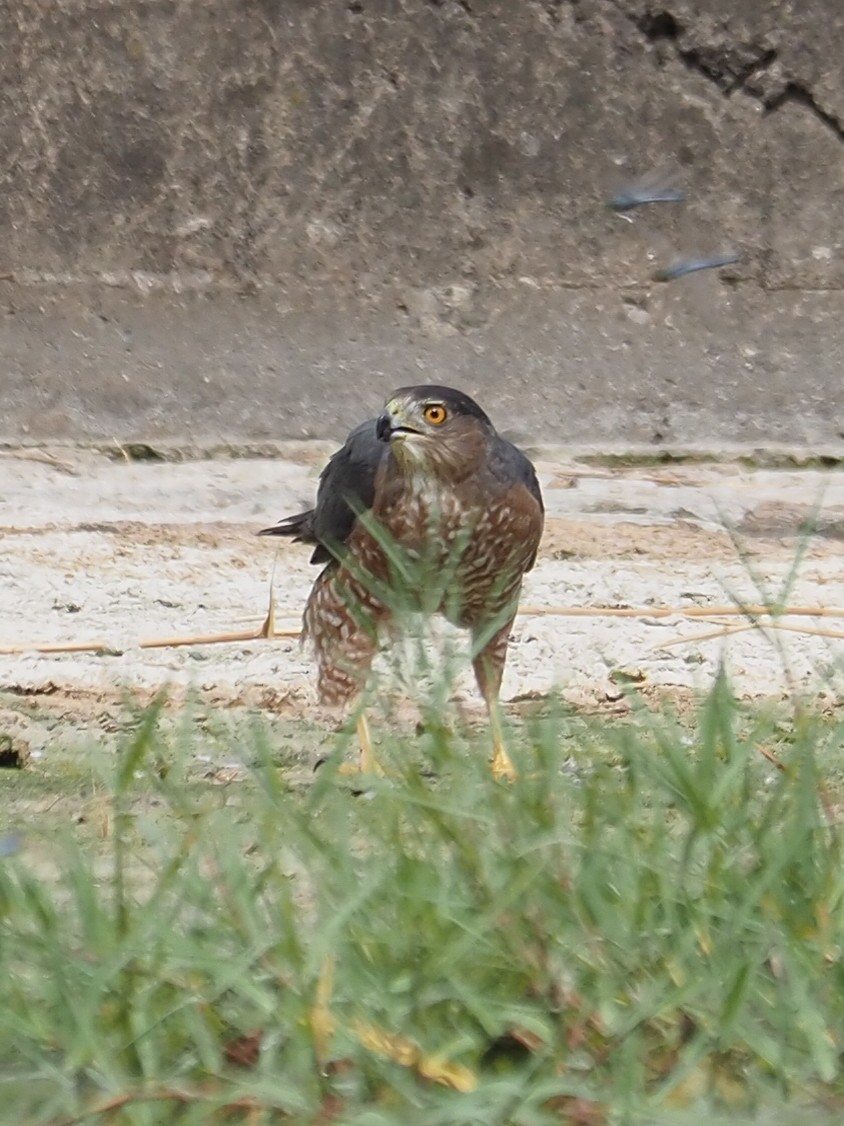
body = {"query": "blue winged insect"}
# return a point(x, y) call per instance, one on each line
point(692, 265)
point(656, 187)
point(628, 198)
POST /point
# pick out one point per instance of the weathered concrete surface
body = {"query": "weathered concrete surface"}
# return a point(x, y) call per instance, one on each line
point(230, 222)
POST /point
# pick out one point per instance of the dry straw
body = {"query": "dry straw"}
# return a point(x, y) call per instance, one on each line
point(269, 631)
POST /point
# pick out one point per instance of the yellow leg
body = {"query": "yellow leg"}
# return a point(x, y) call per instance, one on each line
point(489, 666)
point(367, 762)
point(501, 764)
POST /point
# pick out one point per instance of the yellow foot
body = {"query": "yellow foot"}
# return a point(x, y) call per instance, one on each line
point(501, 766)
point(355, 769)
point(367, 762)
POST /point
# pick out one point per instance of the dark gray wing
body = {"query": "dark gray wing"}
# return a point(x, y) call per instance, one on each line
point(346, 487)
point(509, 466)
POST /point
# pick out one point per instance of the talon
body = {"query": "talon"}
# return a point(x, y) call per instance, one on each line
point(368, 763)
point(502, 767)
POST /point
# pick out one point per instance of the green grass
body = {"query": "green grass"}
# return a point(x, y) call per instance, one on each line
point(651, 935)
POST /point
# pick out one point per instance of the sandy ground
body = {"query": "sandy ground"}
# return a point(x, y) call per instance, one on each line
point(114, 551)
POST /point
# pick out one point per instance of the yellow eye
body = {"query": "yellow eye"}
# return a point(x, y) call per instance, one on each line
point(436, 414)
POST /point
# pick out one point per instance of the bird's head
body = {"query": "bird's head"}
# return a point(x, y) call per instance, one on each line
point(434, 430)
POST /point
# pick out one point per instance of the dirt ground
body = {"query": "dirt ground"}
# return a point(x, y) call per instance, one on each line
point(109, 550)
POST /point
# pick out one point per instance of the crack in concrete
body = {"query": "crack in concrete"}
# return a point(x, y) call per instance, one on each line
point(731, 69)
point(800, 94)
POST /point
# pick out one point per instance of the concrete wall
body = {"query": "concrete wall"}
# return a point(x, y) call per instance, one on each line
point(250, 219)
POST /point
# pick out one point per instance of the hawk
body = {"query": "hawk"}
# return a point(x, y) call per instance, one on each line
point(426, 509)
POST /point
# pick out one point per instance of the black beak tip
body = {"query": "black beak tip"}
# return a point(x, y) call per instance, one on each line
point(383, 427)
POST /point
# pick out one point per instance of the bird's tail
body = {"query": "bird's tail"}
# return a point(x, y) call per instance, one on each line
point(300, 527)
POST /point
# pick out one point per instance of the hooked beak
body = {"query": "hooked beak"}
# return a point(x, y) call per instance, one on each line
point(384, 427)
point(391, 423)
